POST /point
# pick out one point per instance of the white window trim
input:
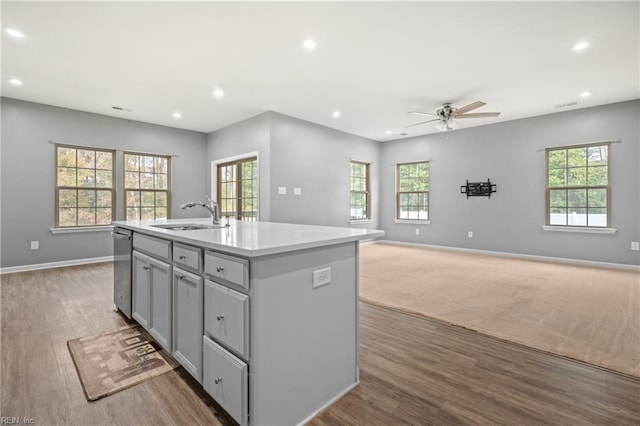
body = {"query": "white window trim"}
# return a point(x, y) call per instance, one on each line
point(579, 229)
point(78, 229)
point(214, 174)
point(413, 221)
point(359, 221)
point(395, 194)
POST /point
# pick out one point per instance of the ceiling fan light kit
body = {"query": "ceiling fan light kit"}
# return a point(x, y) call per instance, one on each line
point(445, 115)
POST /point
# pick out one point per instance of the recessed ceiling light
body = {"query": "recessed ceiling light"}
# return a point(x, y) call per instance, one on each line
point(581, 46)
point(15, 81)
point(309, 44)
point(585, 94)
point(15, 33)
point(389, 132)
point(218, 92)
point(177, 115)
point(336, 114)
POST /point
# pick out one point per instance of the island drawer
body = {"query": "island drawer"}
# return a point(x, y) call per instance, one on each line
point(154, 246)
point(225, 378)
point(227, 269)
point(187, 256)
point(226, 317)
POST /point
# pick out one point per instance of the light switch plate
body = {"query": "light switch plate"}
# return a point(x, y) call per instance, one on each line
point(297, 191)
point(282, 190)
point(321, 277)
point(635, 245)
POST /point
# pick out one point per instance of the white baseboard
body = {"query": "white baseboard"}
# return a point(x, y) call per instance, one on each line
point(520, 256)
point(330, 402)
point(50, 265)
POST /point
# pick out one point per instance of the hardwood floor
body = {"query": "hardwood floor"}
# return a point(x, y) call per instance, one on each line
point(413, 370)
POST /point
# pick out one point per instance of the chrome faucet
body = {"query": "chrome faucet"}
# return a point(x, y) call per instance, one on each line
point(212, 208)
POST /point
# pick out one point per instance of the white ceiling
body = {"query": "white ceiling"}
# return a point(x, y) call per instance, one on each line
point(374, 61)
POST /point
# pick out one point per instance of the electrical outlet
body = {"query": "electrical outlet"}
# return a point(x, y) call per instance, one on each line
point(297, 191)
point(35, 245)
point(321, 277)
point(417, 231)
point(470, 234)
point(635, 245)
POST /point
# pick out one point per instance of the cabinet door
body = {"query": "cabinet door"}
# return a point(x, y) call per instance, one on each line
point(141, 290)
point(225, 378)
point(187, 321)
point(161, 289)
point(226, 317)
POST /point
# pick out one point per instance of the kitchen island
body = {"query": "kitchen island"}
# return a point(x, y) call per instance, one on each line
point(264, 315)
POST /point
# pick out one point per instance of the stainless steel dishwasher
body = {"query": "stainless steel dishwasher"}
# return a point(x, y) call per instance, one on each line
point(122, 240)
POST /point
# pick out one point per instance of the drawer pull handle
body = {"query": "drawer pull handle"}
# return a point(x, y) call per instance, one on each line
point(182, 257)
point(182, 277)
point(146, 268)
point(220, 317)
point(217, 380)
point(220, 268)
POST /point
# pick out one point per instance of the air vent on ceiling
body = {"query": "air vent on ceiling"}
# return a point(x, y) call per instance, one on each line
point(404, 134)
point(122, 109)
point(568, 104)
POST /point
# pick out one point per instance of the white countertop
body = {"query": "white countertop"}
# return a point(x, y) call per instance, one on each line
point(253, 239)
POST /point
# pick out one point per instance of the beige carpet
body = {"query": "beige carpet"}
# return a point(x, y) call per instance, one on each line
point(586, 313)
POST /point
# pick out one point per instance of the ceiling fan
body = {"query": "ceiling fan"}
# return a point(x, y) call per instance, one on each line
point(447, 113)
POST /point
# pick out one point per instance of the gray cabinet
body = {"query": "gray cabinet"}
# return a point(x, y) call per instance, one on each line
point(226, 317)
point(152, 297)
point(226, 380)
point(187, 321)
point(141, 290)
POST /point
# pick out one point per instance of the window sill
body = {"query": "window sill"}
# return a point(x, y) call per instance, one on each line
point(579, 229)
point(357, 222)
point(104, 228)
point(413, 221)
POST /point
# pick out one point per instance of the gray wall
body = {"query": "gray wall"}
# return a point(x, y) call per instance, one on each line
point(296, 153)
point(508, 153)
point(251, 135)
point(317, 160)
point(28, 175)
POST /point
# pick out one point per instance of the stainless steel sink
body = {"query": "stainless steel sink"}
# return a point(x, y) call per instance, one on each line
point(187, 226)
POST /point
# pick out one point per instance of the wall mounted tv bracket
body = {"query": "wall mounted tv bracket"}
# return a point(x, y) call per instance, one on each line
point(478, 189)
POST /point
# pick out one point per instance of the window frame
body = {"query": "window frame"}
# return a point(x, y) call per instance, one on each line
point(586, 187)
point(366, 192)
point(237, 162)
point(57, 187)
point(125, 189)
point(426, 193)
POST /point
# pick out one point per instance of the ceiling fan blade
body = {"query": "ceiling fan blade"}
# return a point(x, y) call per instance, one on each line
point(477, 115)
point(422, 122)
point(421, 113)
point(470, 107)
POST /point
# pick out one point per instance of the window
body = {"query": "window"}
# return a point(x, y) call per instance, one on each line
point(360, 191)
point(412, 197)
point(578, 188)
point(147, 183)
point(84, 186)
point(238, 189)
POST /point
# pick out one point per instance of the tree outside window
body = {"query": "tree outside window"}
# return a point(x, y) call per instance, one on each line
point(147, 183)
point(238, 189)
point(359, 203)
point(578, 186)
point(412, 197)
point(84, 186)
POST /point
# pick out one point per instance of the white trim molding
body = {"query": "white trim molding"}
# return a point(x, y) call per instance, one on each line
point(579, 229)
point(51, 265)
point(519, 256)
point(412, 221)
point(78, 229)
